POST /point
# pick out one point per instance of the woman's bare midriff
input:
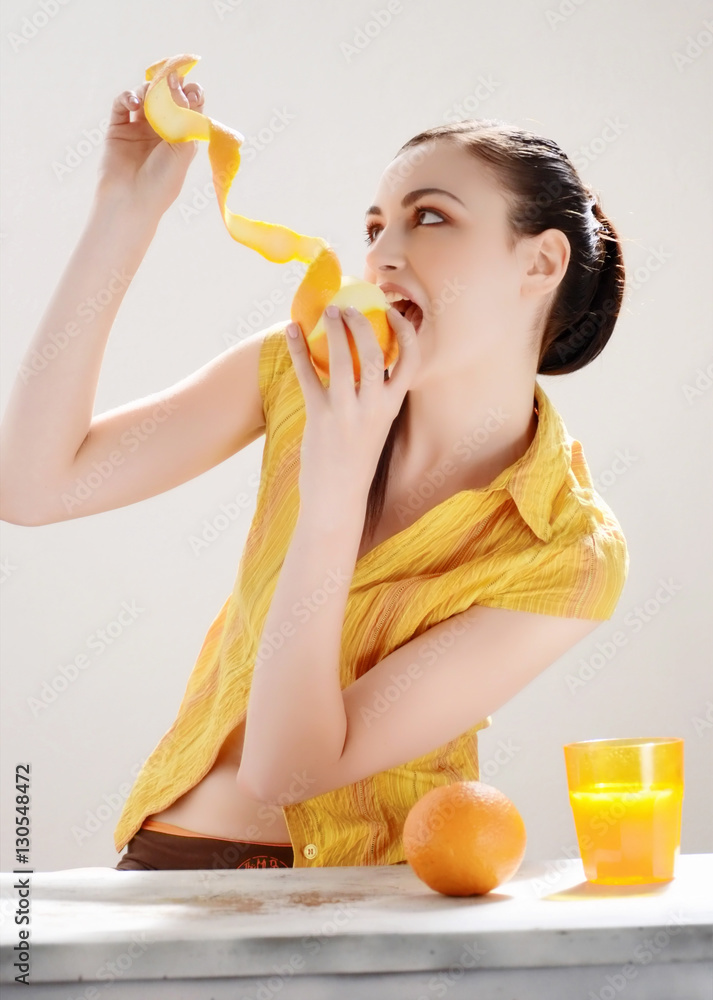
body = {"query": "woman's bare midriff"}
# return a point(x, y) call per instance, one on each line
point(216, 806)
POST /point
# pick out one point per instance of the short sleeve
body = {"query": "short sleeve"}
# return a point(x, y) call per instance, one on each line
point(582, 579)
point(274, 361)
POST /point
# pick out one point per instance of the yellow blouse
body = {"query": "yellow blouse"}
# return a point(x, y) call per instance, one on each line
point(538, 539)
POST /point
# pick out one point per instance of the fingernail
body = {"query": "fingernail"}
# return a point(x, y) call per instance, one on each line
point(350, 311)
point(172, 79)
point(332, 311)
point(292, 330)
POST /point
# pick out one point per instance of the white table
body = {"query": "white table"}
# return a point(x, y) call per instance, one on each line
point(326, 933)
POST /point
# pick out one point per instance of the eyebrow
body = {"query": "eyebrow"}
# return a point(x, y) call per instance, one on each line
point(414, 196)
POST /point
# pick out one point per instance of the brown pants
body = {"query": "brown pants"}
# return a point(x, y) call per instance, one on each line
point(149, 850)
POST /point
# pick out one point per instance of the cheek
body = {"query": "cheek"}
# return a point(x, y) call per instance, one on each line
point(465, 277)
point(462, 299)
point(492, 286)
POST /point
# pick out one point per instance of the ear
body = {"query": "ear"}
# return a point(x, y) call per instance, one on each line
point(545, 258)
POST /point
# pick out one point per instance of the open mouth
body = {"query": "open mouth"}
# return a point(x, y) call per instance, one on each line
point(410, 311)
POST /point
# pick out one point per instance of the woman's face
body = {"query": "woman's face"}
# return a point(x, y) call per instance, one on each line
point(451, 253)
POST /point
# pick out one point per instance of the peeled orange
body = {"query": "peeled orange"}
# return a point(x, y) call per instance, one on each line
point(323, 283)
point(464, 839)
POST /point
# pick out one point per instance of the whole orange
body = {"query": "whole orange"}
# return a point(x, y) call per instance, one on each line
point(465, 838)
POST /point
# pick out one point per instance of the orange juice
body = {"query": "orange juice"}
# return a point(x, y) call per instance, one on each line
point(628, 835)
point(626, 797)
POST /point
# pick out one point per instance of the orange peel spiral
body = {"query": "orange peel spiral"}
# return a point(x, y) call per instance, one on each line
point(323, 283)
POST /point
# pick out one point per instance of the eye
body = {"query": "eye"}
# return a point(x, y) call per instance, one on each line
point(418, 210)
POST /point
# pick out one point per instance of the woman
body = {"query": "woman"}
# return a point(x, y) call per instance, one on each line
point(423, 543)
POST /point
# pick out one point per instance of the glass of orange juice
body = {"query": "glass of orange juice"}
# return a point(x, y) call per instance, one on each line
point(626, 797)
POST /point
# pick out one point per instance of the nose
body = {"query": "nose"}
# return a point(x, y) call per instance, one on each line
point(385, 255)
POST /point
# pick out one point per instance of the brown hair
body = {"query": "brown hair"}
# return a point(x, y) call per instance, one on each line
point(544, 191)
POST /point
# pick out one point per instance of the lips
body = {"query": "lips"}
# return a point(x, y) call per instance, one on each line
point(413, 311)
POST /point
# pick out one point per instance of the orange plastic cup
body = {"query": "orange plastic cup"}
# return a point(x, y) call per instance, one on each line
point(626, 798)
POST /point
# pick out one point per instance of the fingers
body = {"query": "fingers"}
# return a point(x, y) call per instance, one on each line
point(409, 352)
point(190, 96)
point(195, 94)
point(308, 378)
point(128, 101)
point(122, 107)
point(341, 365)
point(176, 85)
point(371, 357)
point(138, 106)
point(371, 354)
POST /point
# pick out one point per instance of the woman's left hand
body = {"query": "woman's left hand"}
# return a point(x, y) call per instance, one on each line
point(346, 423)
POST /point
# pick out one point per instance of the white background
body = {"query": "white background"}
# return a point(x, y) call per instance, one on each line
point(604, 80)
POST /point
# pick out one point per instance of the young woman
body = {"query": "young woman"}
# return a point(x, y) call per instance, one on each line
point(424, 543)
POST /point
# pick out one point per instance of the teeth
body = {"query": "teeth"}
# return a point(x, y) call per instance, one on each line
point(395, 297)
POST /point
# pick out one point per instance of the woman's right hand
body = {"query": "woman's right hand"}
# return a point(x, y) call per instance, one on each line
point(138, 166)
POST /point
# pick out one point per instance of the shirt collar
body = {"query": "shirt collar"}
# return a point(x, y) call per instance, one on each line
point(535, 479)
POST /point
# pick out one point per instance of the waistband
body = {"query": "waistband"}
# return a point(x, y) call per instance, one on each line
point(158, 849)
point(159, 826)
